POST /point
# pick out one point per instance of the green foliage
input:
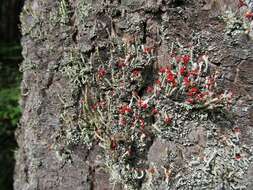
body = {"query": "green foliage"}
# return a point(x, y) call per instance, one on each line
point(9, 108)
point(11, 51)
point(10, 57)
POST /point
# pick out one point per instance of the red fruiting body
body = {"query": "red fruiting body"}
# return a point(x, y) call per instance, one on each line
point(168, 120)
point(142, 123)
point(97, 105)
point(136, 72)
point(148, 50)
point(154, 111)
point(94, 107)
point(150, 89)
point(125, 109)
point(101, 72)
point(113, 145)
point(162, 70)
point(190, 101)
point(182, 71)
point(201, 95)
point(142, 104)
point(249, 15)
point(158, 82)
point(170, 77)
point(186, 59)
point(193, 91)
point(237, 130)
point(120, 64)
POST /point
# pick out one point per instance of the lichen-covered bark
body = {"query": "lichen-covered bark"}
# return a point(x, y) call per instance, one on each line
point(54, 30)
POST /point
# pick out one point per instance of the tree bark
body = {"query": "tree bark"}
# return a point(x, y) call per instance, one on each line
point(51, 29)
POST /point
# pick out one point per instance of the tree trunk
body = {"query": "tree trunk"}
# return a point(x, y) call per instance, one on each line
point(57, 33)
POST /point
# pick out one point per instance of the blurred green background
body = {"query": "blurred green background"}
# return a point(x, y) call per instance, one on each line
point(10, 77)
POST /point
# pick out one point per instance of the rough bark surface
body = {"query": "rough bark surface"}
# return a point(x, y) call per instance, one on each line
point(46, 92)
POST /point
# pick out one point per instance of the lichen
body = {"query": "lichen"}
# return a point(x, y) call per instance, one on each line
point(127, 104)
point(241, 20)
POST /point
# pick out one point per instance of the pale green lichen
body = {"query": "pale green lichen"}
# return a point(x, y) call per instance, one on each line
point(76, 67)
point(83, 10)
point(64, 12)
point(234, 24)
